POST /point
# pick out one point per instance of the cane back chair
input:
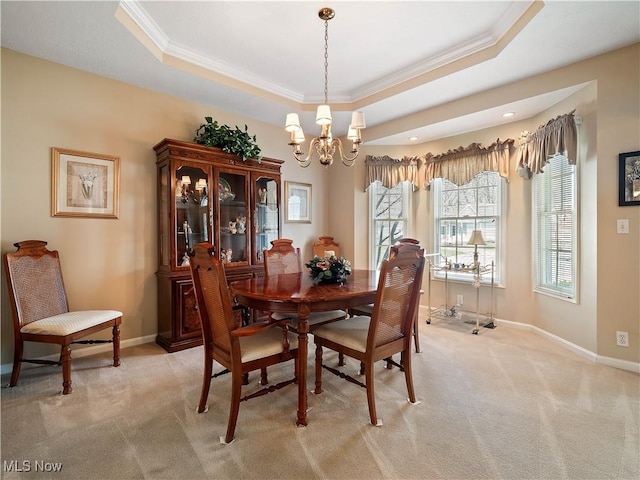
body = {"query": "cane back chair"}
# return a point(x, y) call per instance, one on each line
point(368, 309)
point(41, 310)
point(326, 244)
point(283, 257)
point(387, 331)
point(240, 350)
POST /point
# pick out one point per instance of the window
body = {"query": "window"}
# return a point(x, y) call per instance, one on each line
point(389, 222)
point(458, 210)
point(555, 227)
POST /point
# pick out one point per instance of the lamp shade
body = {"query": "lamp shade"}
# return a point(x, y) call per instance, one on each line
point(357, 120)
point(186, 180)
point(323, 115)
point(292, 124)
point(476, 238)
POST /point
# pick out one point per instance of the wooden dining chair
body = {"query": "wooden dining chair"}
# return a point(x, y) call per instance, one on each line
point(325, 244)
point(386, 332)
point(283, 257)
point(240, 350)
point(41, 310)
point(368, 309)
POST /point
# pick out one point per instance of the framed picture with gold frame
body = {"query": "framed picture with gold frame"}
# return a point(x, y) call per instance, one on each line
point(629, 179)
point(297, 207)
point(84, 184)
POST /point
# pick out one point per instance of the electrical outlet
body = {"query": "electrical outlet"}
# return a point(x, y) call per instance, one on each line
point(460, 302)
point(622, 339)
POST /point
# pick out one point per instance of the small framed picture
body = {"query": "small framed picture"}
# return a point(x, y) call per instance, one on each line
point(297, 208)
point(84, 184)
point(629, 179)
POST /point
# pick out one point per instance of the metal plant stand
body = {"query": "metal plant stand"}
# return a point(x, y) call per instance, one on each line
point(447, 311)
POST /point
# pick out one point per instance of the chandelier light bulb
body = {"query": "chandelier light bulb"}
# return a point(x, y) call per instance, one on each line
point(352, 134)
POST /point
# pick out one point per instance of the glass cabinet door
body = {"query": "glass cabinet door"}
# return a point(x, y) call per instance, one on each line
point(165, 193)
point(233, 221)
point(266, 214)
point(193, 212)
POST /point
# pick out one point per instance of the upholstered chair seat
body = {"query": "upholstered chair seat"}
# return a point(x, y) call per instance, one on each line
point(264, 344)
point(69, 322)
point(352, 334)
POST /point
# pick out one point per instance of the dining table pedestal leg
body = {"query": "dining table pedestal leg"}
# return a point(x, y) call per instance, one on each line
point(303, 349)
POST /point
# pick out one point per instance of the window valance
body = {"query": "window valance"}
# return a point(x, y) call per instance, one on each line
point(557, 136)
point(459, 166)
point(391, 171)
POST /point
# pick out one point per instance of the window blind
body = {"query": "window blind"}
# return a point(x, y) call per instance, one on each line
point(555, 226)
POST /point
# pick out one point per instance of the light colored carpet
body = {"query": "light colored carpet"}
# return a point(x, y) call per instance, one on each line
point(502, 404)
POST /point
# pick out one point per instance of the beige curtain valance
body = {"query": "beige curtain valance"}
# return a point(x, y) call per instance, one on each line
point(558, 136)
point(459, 166)
point(391, 171)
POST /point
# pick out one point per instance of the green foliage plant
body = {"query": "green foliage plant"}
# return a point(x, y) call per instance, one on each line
point(329, 269)
point(230, 140)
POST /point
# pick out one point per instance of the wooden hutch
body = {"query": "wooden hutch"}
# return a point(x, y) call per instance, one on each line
point(207, 195)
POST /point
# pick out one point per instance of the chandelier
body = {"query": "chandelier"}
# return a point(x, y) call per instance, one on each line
point(325, 146)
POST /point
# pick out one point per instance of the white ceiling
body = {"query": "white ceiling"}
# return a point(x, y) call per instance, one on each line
point(390, 59)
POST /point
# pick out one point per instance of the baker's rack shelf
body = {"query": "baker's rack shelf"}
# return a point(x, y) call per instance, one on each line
point(451, 311)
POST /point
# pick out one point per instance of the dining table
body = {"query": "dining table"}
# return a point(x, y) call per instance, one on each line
point(297, 293)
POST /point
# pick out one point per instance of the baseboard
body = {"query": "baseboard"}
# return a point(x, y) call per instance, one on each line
point(578, 350)
point(582, 352)
point(621, 364)
point(87, 351)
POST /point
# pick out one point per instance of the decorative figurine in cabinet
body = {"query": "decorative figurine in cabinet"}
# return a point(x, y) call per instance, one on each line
point(206, 195)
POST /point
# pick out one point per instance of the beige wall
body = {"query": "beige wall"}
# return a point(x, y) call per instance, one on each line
point(106, 263)
point(609, 276)
point(111, 263)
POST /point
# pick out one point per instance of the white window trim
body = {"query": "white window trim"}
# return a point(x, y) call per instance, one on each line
point(500, 249)
point(407, 189)
point(576, 236)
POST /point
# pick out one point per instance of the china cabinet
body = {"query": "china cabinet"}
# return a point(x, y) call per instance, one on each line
point(206, 195)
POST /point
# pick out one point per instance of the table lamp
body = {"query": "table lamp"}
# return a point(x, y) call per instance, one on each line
point(476, 239)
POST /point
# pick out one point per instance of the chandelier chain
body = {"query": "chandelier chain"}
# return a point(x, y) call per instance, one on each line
point(326, 62)
point(324, 146)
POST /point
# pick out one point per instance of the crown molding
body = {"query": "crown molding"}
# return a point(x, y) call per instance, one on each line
point(477, 50)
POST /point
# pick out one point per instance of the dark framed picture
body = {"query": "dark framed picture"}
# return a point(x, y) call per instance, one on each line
point(629, 179)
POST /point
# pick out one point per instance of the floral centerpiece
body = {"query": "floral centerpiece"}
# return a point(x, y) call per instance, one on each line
point(329, 269)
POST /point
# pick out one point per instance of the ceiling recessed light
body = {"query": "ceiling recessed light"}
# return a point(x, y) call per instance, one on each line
point(508, 114)
point(413, 138)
